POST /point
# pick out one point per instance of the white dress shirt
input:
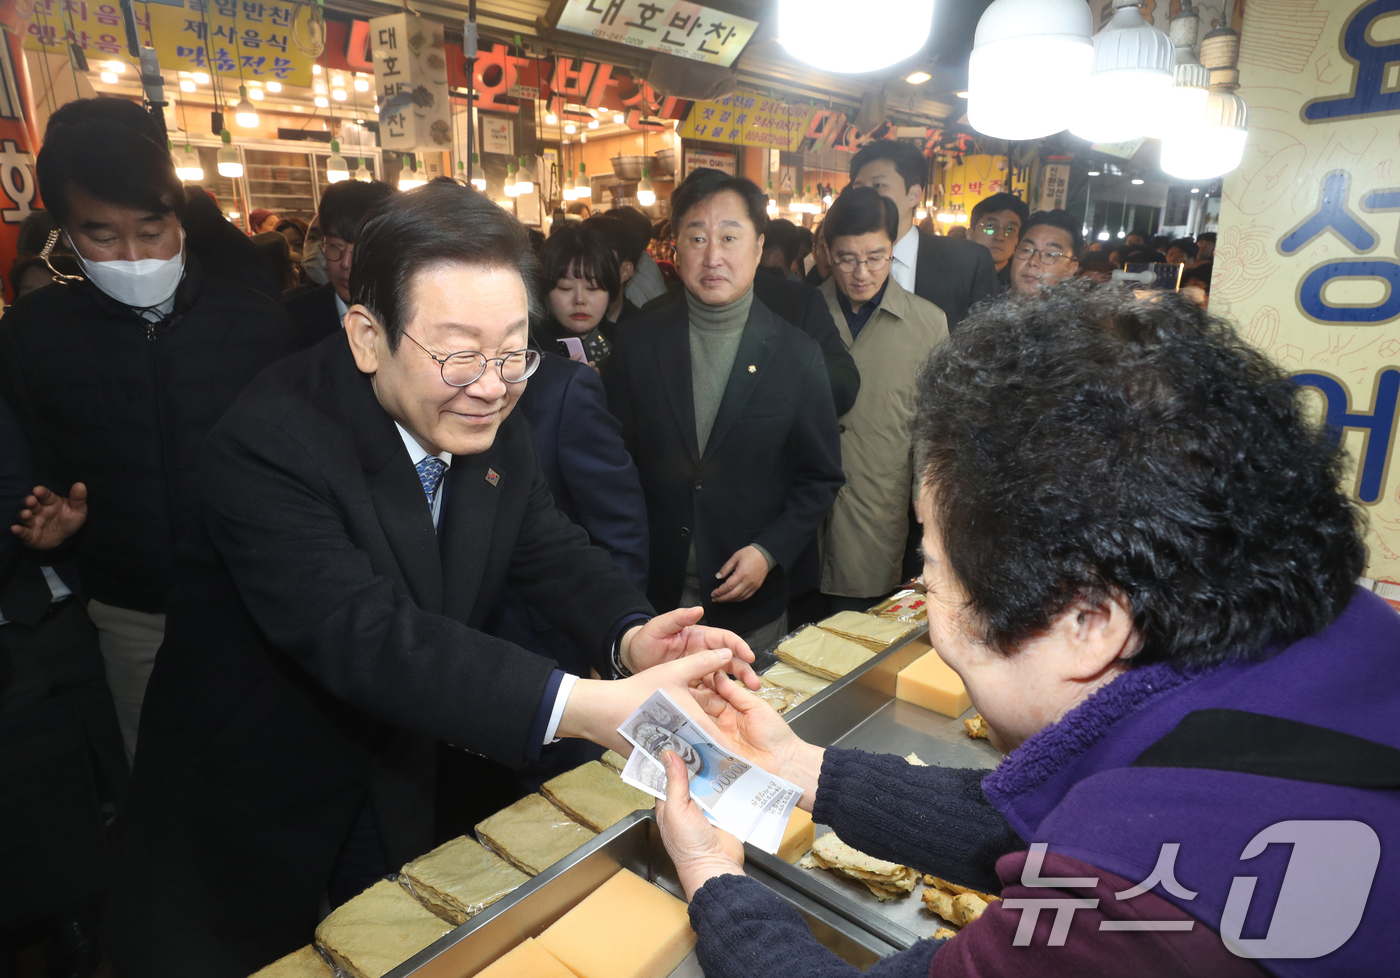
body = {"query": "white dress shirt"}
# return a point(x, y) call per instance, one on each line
point(341, 309)
point(416, 454)
point(906, 259)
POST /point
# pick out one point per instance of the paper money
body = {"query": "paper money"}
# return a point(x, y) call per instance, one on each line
point(737, 795)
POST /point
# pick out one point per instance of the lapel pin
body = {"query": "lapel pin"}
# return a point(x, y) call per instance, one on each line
point(492, 477)
point(753, 369)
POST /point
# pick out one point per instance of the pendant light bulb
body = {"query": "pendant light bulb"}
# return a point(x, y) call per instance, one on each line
point(1134, 66)
point(244, 113)
point(362, 173)
point(646, 194)
point(336, 167)
point(1055, 33)
point(410, 177)
point(582, 188)
point(512, 189)
point(524, 178)
point(567, 192)
point(887, 31)
point(478, 177)
point(194, 169)
point(229, 164)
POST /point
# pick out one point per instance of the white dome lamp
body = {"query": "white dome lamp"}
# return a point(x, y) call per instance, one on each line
point(1054, 36)
point(1133, 68)
point(1186, 102)
point(1215, 146)
point(886, 32)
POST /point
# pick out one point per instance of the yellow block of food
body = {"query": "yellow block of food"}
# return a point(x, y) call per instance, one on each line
point(378, 930)
point(930, 682)
point(594, 795)
point(798, 837)
point(790, 677)
point(614, 760)
point(532, 834)
point(305, 963)
point(874, 633)
point(527, 960)
point(627, 928)
point(822, 654)
point(460, 878)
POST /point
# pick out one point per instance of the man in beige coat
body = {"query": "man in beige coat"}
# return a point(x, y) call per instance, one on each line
point(890, 333)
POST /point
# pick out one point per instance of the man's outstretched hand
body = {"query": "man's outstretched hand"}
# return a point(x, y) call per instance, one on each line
point(676, 634)
point(48, 519)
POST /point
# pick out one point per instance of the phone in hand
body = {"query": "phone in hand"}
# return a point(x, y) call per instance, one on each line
point(572, 347)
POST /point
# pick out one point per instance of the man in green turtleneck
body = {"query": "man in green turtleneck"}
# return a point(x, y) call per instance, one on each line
point(728, 414)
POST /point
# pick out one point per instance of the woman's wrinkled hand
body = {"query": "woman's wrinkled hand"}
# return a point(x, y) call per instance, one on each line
point(699, 851)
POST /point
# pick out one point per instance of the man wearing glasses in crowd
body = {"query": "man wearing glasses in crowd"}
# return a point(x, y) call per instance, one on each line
point(1048, 251)
point(363, 504)
point(996, 225)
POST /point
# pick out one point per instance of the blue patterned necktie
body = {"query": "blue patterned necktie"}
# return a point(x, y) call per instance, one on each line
point(430, 472)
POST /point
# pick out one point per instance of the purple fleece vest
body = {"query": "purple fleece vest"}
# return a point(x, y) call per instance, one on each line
point(1072, 786)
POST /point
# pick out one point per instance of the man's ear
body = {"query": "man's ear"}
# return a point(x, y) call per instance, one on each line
point(916, 195)
point(363, 332)
point(628, 270)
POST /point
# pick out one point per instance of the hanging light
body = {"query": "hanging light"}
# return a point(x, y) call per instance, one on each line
point(921, 213)
point(110, 77)
point(336, 167)
point(1052, 33)
point(1103, 235)
point(117, 67)
point(960, 217)
point(410, 177)
point(568, 192)
point(200, 78)
point(1215, 145)
point(229, 163)
point(362, 173)
point(187, 165)
point(646, 194)
point(256, 94)
point(772, 201)
point(619, 118)
point(887, 31)
point(1185, 105)
point(315, 68)
point(524, 178)
point(478, 177)
point(811, 201)
point(592, 123)
point(511, 189)
point(322, 102)
point(827, 198)
point(550, 119)
point(582, 188)
point(570, 128)
point(244, 113)
point(339, 94)
point(361, 83)
point(274, 86)
point(1133, 68)
point(187, 85)
point(945, 217)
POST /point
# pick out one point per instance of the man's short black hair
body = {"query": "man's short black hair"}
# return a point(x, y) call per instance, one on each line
point(1205, 236)
point(1172, 463)
point(622, 236)
point(860, 210)
point(1143, 256)
point(111, 161)
point(1200, 275)
point(909, 161)
point(1063, 220)
point(432, 226)
point(997, 203)
point(703, 183)
point(108, 108)
point(634, 219)
point(345, 204)
point(584, 252)
point(1188, 247)
point(782, 234)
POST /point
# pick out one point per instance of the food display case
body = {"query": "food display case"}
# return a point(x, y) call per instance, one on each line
point(634, 844)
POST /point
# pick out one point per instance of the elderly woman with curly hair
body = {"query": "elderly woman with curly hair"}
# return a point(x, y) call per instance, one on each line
point(1140, 561)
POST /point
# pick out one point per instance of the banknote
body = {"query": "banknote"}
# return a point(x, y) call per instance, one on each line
point(737, 794)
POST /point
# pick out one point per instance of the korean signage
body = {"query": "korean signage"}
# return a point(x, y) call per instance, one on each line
point(410, 79)
point(686, 30)
point(748, 119)
point(694, 160)
point(267, 40)
point(978, 176)
point(1308, 258)
point(1054, 186)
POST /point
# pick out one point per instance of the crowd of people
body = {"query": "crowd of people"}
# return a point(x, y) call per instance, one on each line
point(314, 526)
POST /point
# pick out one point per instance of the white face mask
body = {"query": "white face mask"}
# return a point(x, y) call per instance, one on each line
point(313, 263)
point(142, 284)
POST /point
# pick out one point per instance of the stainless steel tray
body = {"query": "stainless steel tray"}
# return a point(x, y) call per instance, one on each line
point(860, 711)
point(635, 844)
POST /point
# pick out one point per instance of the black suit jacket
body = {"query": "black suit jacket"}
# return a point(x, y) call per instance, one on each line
point(314, 316)
point(321, 636)
point(771, 468)
point(954, 274)
point(802, 306)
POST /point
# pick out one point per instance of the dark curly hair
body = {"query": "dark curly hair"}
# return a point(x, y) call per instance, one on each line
point(1085, 442)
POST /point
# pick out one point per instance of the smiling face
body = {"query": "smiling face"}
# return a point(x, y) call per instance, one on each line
point(450, 308)
point(102, 231)
point(1045, 256)
point(717, 249)
point(863, 281)
point(578, 303)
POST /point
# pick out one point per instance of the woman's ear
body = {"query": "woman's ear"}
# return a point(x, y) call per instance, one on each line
point(1099, 632)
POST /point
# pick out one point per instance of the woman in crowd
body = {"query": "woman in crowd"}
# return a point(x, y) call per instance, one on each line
point(1140, 561)
point(580, 279)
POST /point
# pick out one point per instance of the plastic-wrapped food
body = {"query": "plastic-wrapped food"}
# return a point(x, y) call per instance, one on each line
point(594, 795)
point(460, 878)
point(377, 931)
point(799, 681)
point(822, 654)
point(876, 634)
point(532, 834)
point(304, 962)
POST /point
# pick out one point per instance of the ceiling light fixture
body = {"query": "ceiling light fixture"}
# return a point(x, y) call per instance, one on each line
point(1214, 146)
point(336, 167)
point(886, 32)
point(244, 112)
point(273, 86)
point(227, 159)
point(918, 78)
point(1133, 68)
point(1051, 33)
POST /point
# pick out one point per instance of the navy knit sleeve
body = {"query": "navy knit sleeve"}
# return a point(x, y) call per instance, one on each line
point(744, 930)
point(934, 819)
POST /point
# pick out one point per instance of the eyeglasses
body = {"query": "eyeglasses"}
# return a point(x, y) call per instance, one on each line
point(874, 262)
point(994, 230)
point(467, 367)
point(1046, 257)
point(334, 252)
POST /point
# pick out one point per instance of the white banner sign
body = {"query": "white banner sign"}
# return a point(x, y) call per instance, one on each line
point(410, 77)
point(686, 30)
